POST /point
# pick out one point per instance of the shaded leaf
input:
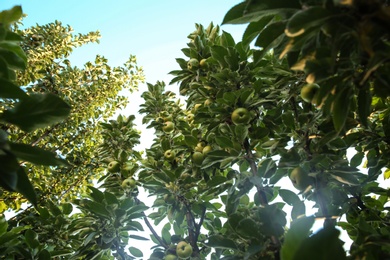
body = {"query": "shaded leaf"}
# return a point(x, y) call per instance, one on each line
point(36, 155)
point(37, 111)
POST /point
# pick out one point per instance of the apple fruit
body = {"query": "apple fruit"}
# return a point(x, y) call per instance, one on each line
point(183, 250)
point(192, 64)
point(129, 184)
point(197, 158)
point(170, 257)
point(169, 199)
point(309, 91)
point(168, 126)
point(300, 179)
point(190, 117)
point(113, 166)
point(169, 155)
point(241, 116)
point(200, 146)
point(196, 107)
point(208, 102)
point(207, 149)
point(203, 63)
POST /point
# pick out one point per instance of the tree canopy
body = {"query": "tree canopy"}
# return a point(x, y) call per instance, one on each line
point(303, 97)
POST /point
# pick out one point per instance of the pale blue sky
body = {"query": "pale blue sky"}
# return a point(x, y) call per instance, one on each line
point(153, 30)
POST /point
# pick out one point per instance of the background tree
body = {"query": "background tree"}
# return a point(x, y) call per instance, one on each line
point(93, 93)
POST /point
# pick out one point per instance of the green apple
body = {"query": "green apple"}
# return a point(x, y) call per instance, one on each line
point(170, 257)
point(183, 250)
point(208, 102)
point(193, 64)
point(113, 166)
point(197, 158)
point(169, 199)
point(129, 184)
point(167, 118)
point(200, 146)
point(196, 107)
point(300, 179)
point(203, 63)
point(169, 155)
point(168, 127)
point(309, 91)
point(207, 149)
point(241, 116)
point(190, 118)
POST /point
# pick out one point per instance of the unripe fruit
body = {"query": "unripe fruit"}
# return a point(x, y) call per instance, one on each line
point(300, 179)
point(197, 158)
point(193, 64)
point(168, 127)
point(129, 184)
point(207, 149)
point(308, 92)
point(203, 63)
point(183, 250)
point(113, 166)
point(240, 116)
point(169, 155)
point(169, 199)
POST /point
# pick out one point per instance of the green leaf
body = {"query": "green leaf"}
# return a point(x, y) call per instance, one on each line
point(11, 15)
point(135, 252)
point(341, 107)
point(14, 48)
point(139, 238)
point(3, 225)
point(190, 140)
point(345, 177)
point(241, 132)
point(270, 37)
point(325, 244)
point(36, 155)
point(96, 194)
point(364, 105)
point(224, 142)
point(255, 28)
point(44, 255)
point(13, 60)
point(25, 187)
point(251, 11)
point(8, 171)
point(305, 19)
point(289, 197)
point(10, 90)
point(218, 241)
point(31, 238)
point(37, 111)
point(297, 233)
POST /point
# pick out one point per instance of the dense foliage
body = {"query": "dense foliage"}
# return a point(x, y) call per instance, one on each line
point(309, 102)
